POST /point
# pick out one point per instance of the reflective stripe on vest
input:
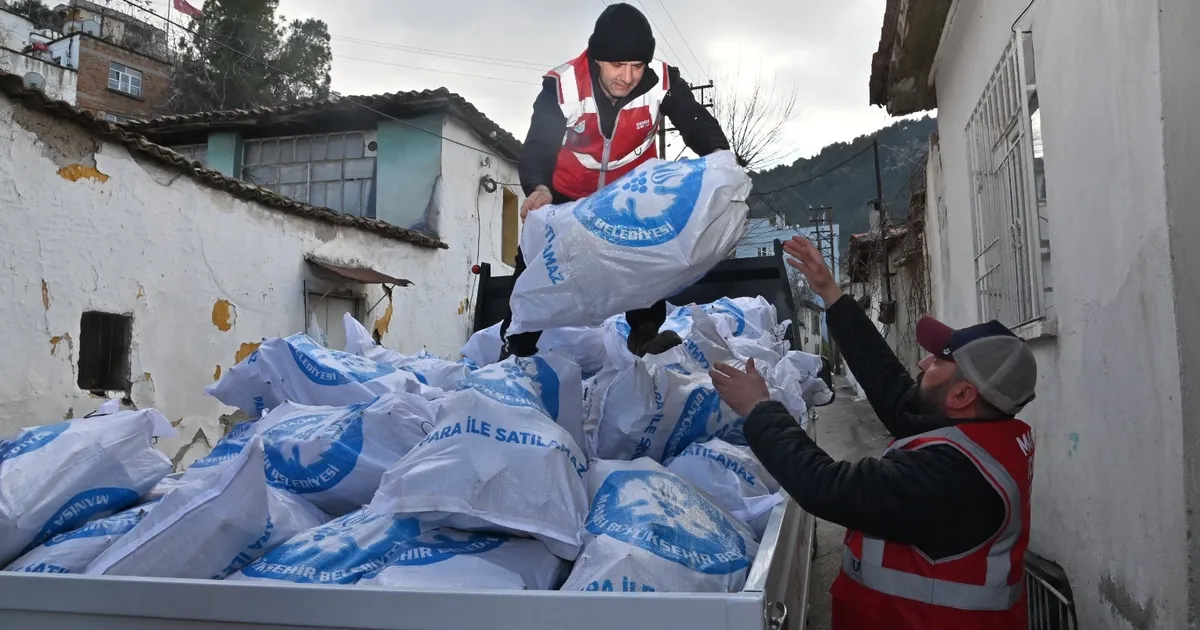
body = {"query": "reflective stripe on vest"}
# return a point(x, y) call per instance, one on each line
point(996, 593)
point(576, 104)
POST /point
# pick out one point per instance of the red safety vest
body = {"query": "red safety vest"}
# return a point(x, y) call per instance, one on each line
point(588, 161)
point(890, 585)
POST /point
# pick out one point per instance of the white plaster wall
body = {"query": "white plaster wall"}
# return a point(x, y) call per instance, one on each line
point(156, 244)
point(472, 218)
point(1109, 486)
point(14, 30)
point(60, 82)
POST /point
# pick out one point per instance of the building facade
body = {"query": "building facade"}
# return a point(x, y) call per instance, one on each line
point(26, 51)
point(134, 273)
point(1062, 196)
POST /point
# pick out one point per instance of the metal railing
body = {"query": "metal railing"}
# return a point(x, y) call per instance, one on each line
point(1051, 605)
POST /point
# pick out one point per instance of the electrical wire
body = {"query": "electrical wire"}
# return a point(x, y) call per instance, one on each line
point(331, 92)
point(448, 54)
point(685, 41)
point(814, 177)
point(662, 36)
point(461, 74)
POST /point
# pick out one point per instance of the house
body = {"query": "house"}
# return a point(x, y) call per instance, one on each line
point(764, 227)
point(24, 51)
point(124, 68)
point(1062, 202)
point(134, 272)
point(97, 58)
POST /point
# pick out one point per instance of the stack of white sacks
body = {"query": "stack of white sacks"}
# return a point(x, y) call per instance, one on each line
point(581, 468)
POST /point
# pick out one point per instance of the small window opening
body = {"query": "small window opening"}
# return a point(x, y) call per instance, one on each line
point(104, 340)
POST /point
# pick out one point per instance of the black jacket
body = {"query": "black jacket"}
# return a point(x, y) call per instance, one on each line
point(701, 132)
point(932, 498)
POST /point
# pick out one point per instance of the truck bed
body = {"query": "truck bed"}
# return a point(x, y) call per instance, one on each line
point(776, 588)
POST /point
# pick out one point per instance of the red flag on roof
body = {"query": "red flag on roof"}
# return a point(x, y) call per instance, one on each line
point(183, 7)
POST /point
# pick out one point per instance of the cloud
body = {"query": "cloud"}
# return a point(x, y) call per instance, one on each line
point(821, 48)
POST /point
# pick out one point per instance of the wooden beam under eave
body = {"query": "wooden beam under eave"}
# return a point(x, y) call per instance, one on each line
point(919, 25)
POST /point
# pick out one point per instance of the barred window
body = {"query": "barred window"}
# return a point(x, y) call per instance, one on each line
point(1008, 200)
point(326, 170)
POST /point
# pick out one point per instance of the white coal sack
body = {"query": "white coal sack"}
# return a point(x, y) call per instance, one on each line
point(496, 461)
point(429, 370)
point(210, 527)
point(334, 457)
point(649, 530)
point(582, 344)
point(55, 478)
point(73, 551)
point(659, 228)
point(338, 552)
point(452, 560)
point(732, 477)
point(299, 370)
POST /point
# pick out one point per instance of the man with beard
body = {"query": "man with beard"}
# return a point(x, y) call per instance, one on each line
point(937, 527)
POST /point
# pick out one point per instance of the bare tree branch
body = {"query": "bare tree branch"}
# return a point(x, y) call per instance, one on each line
point(754, 120)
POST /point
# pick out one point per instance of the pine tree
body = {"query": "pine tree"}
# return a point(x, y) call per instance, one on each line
point(244, 56)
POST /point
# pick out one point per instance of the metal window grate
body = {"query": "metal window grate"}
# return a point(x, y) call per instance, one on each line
point(1007, 234)
point(1050, 602)
point(104, 340)
point(327, 170)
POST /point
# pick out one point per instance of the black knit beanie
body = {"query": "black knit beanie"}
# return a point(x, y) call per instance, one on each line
point(621, 34)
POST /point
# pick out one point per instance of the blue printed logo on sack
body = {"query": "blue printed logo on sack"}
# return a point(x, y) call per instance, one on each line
point(657, 512)
point(339, 552)
point(702, 408)
point(229, 447)
point(30, 440)
point(726, 305)
point(83, 507)
point(505, 383)
point(443, 545)
point(114, 525)
point(647, 207)
point(313, 453)
point(333, 367)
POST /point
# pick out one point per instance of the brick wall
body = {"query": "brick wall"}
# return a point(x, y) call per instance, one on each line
point(95, 55)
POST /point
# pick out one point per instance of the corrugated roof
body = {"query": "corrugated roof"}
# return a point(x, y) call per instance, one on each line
point(13, 88)
point(397, 104)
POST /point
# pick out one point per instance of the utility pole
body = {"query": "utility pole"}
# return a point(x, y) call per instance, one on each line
point(887, 309)
point(825, 238)
point(662, 128)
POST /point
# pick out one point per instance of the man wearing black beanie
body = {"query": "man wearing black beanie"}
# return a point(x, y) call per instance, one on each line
point(597, 119)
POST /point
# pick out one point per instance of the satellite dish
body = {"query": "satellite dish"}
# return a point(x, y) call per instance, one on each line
point(34, 80)
point(91, 27)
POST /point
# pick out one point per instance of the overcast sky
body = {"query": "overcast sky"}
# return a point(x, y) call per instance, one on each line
point(822, 49)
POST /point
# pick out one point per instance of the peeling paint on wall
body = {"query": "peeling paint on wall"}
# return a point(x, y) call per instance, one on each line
point(45, 295)
point(224, 315)
point(463, 306)
point(217, 373)
point(58, 339)
point(384, 322)
point(141, 291)
point(246, 350)
point(76, 172)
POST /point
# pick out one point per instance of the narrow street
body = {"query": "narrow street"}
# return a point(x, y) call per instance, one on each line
point(846, 430)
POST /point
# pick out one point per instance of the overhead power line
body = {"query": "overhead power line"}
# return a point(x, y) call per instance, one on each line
point(685, 41)
point(461, 74)
point(314, 86)
point(817, 176)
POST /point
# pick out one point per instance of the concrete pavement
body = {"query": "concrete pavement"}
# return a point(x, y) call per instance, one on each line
point(846, 430)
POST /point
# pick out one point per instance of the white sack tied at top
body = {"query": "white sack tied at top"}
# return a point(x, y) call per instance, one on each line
point(733, 478)
point(429, 369)
point(656, 406)
point(582, 344)
point(658, 229)
point(496, 461)
point(55, 478)
point(300, 370)
point(334, 457)
point(451, 560)
point(649, 530)
point(212, 526)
